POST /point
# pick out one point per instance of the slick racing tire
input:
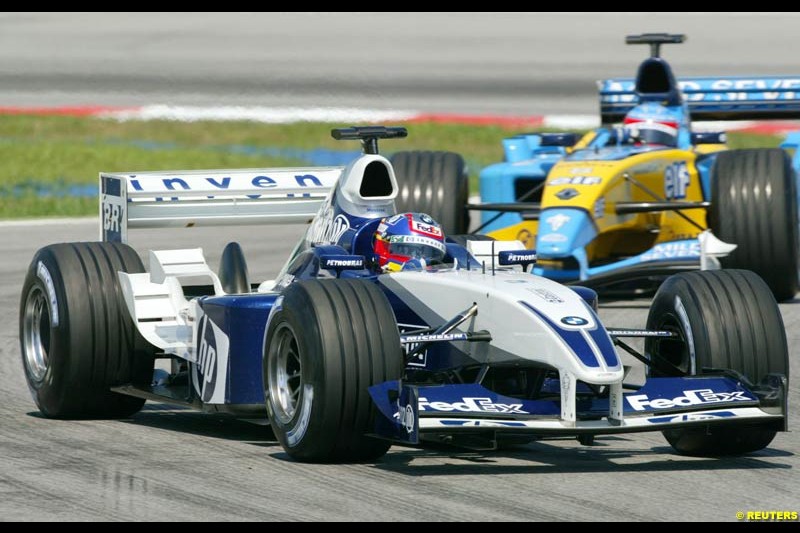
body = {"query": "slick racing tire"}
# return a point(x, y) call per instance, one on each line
point(725, 319)
point(327, 343)
point(76, 336)
point(435, 183)
point(754, 205)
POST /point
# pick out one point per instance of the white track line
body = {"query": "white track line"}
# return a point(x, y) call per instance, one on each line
point(271, 115)
point(48, 222)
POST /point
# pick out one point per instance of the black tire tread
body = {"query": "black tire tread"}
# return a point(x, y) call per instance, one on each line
point(435, 183)
point(754, 205)
point(358, 336)
point(736, 325)
point(97, 340)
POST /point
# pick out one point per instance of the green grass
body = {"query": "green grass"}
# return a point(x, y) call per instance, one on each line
point(60, 152)
point(200, 134)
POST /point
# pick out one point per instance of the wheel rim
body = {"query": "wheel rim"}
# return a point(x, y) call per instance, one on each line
point(675, 350)
point(285, 376)
point(36, 334)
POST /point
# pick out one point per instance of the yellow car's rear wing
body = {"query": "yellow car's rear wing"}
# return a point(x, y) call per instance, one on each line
point(730, 98)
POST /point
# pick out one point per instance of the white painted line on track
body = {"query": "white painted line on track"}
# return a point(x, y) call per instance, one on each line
point(272, 115)
point(77, 221)
point(571, 122)
point(289, 115)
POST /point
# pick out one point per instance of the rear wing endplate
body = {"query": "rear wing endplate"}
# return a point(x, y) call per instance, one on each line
point(211, 197)
point(731, 98)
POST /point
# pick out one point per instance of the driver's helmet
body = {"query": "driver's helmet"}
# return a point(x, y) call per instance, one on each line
point(651, 124)
point(408, 236)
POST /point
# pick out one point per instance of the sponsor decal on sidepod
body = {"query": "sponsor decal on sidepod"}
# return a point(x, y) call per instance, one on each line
point(211, 370)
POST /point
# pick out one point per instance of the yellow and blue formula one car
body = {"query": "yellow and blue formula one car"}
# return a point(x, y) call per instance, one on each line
point(635, 201)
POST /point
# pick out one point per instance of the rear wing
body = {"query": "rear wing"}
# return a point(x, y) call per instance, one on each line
point(736, 98)
point(211, 197)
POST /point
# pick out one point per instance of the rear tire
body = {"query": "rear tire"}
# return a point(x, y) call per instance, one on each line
point(435, 183)
point(730, 320)
point(325, 346)
point(754, 205)
point(76, 336)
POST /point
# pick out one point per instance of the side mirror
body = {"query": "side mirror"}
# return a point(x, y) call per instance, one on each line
point(517, 257)
point(709, 137)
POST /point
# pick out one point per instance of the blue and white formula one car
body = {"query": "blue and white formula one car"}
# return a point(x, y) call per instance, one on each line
point(344, 359)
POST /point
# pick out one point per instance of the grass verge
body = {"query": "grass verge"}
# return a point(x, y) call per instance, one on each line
point(51, 163)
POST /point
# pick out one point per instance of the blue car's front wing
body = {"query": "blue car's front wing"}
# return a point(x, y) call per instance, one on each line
point(662, 403)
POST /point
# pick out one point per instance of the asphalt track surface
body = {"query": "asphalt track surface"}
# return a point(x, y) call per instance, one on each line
point(520, 63)
point(168, 464)
point(171, 464)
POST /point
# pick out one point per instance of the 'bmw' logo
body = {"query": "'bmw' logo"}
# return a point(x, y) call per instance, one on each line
point(426, 218)
point(574, 321)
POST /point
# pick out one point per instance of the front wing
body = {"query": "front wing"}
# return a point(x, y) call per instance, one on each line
point(662, 403)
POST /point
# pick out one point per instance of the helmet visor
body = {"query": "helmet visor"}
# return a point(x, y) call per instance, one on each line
point(417, 247)
point(417, 251)
point(653, 133)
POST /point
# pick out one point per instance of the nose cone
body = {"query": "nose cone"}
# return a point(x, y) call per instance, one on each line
point(562, 231)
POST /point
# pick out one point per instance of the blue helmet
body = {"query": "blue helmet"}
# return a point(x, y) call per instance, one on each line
point(652, 124)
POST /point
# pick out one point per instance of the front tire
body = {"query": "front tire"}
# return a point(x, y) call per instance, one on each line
point(435, 183)
point(76, 336)
point(725, 319)
point(754, 205)
point(325, 346)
